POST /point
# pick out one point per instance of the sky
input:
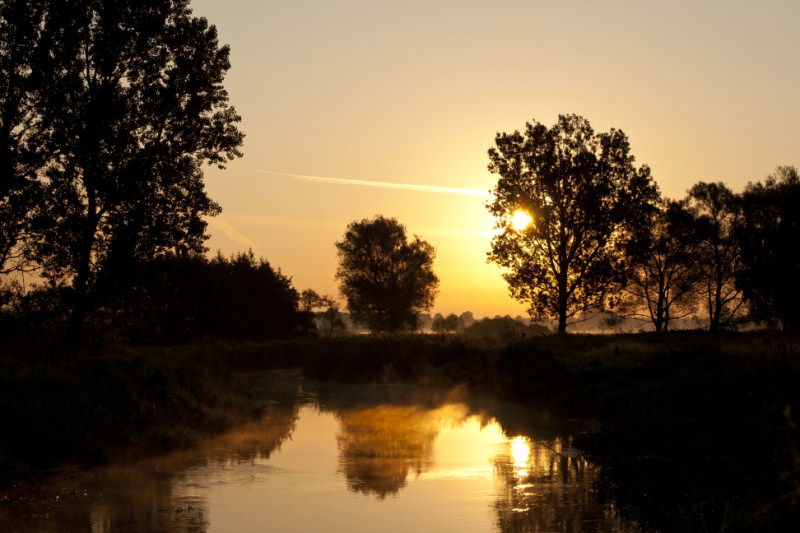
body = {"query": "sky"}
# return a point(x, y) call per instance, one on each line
point(353, 108)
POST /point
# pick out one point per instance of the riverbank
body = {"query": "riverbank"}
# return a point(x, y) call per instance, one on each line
point(698, 430)
point(62, 408)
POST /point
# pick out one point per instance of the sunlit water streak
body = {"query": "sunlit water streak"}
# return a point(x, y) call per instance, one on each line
point(338, 467)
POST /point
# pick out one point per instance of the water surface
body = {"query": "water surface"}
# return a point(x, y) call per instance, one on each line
point(343, 458)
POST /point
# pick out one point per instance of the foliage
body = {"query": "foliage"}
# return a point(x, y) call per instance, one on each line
point(180, 298)
point(20, 29)
point(445, 324)
point(503, 328)
point(169, 299)
point(386, 279)
point(769, 237)
point(33, 316)
point(129, 106)
point(663, 267)
point(251, 300)
point(583, 194)
point(717, 213)
point(328, 318)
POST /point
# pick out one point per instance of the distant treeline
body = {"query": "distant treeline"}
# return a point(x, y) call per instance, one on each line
point(167, 299)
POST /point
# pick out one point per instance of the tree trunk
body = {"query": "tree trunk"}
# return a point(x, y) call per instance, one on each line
point(82, 271)
point(74, 333)
point(562, 304)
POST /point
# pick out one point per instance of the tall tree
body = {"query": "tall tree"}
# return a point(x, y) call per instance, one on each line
point(20, 31)
point(582, 193)
point(663, 271)
point(717, 213)
point(135, 106)
point(769, 238)
point(386, 279)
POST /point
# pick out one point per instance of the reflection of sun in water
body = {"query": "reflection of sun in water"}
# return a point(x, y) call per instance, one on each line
point(520, 451)
point(520, 220)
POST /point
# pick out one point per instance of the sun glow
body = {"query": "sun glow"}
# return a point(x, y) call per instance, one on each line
point(520, 220)
point(520, 452)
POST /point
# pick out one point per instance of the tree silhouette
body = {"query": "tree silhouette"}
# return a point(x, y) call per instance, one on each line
point(717, 213)
point(178, 298)
point(768, 236)
point(325, 310)
point(447, 324)
point(663, 276)
point(386, 279)
point(582, 193)
point(134, 106)
point(20, 161)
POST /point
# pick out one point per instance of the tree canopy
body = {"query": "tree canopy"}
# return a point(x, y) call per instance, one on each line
point(717, 213)
point(125, 104)
point(663, 271)
point(386, 279)
point(582, 194)
point(768, 236)
point(20, 161)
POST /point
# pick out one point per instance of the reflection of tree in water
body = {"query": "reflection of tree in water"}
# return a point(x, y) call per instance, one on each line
point(378, 447)
point(144, 497)
point(547, 487)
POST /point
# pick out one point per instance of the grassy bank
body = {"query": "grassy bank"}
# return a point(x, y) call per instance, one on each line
point(67, 408)
point(699, 431)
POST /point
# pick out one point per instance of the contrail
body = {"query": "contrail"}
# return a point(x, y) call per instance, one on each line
point(233, 234)
point(381, 184)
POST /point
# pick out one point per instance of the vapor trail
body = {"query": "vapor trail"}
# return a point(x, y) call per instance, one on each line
point(380, 184)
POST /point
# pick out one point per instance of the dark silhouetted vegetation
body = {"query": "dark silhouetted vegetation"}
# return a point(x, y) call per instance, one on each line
point(109, 112)
point(663, 276)
point(386, 279)
point(503, 328)
point(769, 239)
point(328, 318)
point(84, 410)
point(583, 194)
point(600, 236)
point(716, 210)
point(169, 299)
point(446, 324)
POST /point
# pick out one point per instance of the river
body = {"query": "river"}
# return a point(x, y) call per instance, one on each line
point(328, 457)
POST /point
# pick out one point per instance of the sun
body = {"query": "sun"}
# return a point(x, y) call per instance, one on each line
point(520, 220)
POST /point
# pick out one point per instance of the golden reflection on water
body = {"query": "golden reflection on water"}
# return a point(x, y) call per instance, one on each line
point(520, 451)
point(380, 447)
point(358, 467)
point(547, 487)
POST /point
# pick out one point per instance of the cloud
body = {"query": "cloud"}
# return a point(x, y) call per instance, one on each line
point(380, 184)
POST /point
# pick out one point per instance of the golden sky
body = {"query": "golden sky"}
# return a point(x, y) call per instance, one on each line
point(336, 93)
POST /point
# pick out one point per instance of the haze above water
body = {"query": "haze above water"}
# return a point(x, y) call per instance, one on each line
point(344, 458)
